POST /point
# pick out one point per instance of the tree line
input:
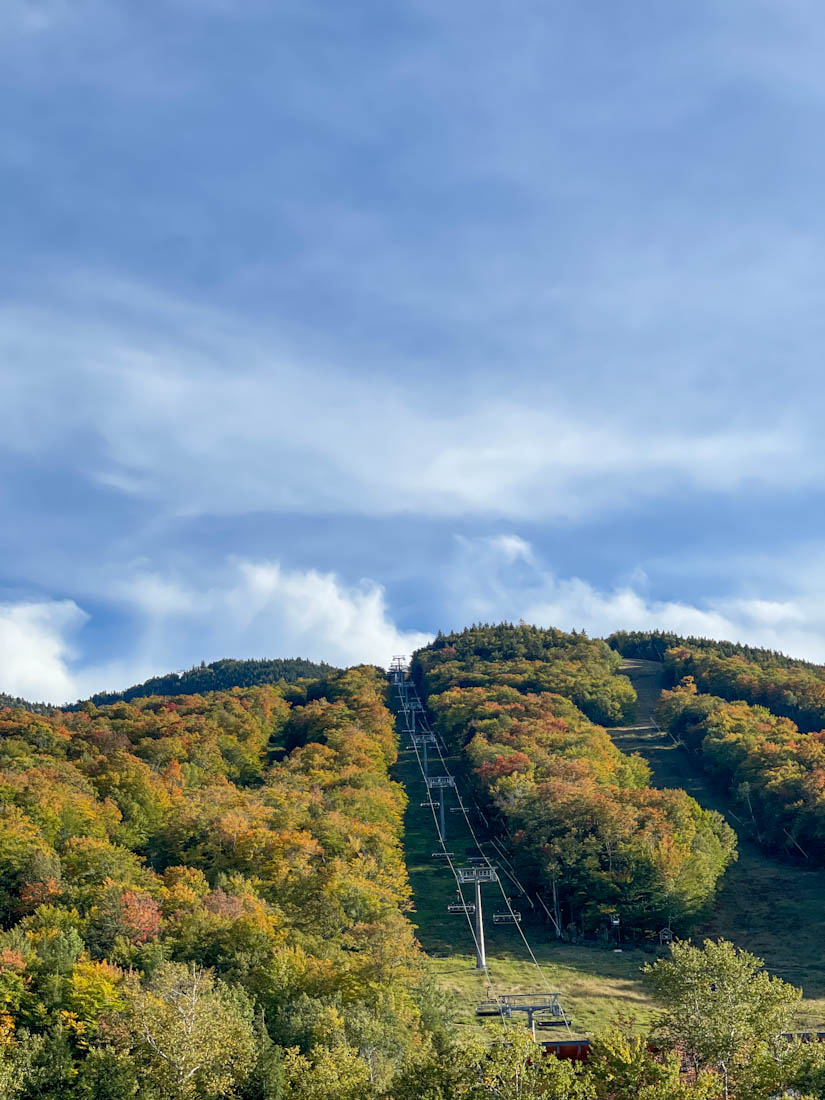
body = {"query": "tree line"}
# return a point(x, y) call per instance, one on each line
point(793, 691)
point(220, 675)
point(652, 645)
point(16, 703)
point(205, 896)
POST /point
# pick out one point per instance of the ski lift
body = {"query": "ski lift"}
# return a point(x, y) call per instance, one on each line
point(442, 855)
point(461, 907)
point(507, 918)
point(666, 936)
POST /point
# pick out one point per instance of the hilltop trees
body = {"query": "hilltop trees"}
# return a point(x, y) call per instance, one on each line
point(205, 895)
point(787, 686)
point(223, 675)
point(795, 690)
point(530, 660)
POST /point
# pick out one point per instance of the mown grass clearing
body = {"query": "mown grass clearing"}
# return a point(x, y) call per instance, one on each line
point(770, 906)
point(597, 985)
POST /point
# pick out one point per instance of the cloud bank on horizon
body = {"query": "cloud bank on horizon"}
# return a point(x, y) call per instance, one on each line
point(325, 328)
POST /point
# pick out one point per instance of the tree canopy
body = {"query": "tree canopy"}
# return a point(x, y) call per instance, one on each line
point(585, 825)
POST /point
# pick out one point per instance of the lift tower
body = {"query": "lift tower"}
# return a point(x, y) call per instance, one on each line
point(440, 783)
point(421, 741)
point(478, 875)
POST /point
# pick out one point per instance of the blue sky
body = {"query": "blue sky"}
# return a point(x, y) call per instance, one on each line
point(324, 326)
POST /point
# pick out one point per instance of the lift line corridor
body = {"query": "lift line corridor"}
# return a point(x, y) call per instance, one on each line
point(541, 1009)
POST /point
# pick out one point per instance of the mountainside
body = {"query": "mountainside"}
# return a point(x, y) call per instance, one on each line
point(225, 894)
point(652, 645)
point(586, 827)
point(236, 853)
point(754, 721)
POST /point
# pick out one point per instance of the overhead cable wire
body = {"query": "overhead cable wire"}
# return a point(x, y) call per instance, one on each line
point(515, 919)
point(409, 718)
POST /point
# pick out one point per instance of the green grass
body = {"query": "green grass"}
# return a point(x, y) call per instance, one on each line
point(770, 906)
point(597, 985)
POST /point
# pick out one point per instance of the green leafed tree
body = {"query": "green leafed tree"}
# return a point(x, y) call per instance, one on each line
point(192, 1035)
point(723, 1010)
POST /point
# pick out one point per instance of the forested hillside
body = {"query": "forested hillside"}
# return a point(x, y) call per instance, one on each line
point(205, 894)
point(786, 685)
point(775, 773)
point(220, 675)
point(530, 659)
point(586, 827)
point(184, 917)
point(754, 718)
point(652, 645)
point(796, 691)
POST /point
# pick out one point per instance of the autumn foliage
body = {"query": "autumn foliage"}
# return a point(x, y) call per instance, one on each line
point(231, 859)
point(585, 826)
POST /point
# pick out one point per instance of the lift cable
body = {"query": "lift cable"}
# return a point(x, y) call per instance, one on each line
point(515, 919)
point(409, 719)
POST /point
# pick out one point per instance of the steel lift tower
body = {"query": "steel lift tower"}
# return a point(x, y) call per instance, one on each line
point(421, 741)
point(477, 876)
point(440, 783)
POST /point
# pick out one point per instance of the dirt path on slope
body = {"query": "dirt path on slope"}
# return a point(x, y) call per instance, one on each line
point(767, 905)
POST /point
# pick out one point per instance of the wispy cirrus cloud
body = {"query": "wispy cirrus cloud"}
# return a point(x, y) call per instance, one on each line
point(199, 413)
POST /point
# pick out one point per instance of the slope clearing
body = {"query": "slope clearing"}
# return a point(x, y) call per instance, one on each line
point(597, 985)
point(767, 905)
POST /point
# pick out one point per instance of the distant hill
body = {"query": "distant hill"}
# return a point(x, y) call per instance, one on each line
point(218, 676)
point(23, 704)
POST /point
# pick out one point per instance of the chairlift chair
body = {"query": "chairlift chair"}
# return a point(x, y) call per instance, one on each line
point(507, 918)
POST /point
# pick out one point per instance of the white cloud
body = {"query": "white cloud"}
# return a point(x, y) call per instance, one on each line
point(512, 548)
point(487, 584)
point(197, 415)
point(259, 609)
point(35, 651)
point(322, 616)
point(254, 609)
